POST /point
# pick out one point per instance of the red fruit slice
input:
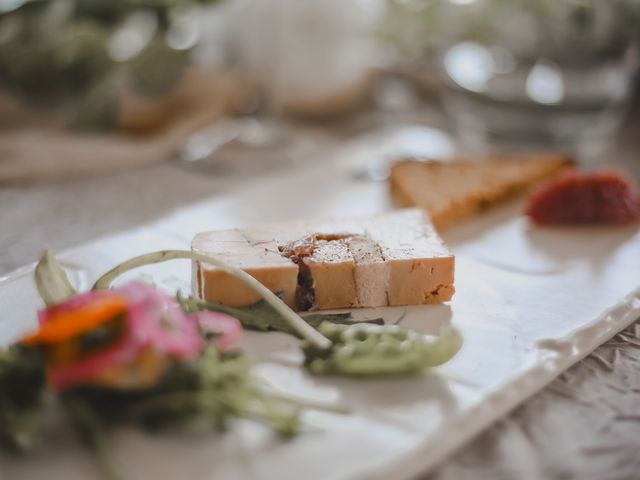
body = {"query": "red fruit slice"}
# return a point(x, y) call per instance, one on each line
point(576, 198)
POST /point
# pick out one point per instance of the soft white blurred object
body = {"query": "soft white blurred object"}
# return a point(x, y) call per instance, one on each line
point(309, 56)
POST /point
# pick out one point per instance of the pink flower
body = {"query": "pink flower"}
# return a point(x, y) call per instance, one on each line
point(151, 322)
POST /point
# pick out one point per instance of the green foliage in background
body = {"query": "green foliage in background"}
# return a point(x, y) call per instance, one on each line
point(562, 30)
point(66, 51)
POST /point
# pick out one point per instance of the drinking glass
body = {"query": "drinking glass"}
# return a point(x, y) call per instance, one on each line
point(550, 73)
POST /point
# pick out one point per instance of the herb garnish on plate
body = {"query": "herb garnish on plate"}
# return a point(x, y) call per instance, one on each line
point(133, 354)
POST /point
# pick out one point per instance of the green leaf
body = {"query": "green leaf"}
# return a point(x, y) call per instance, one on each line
point(51, 281)
point(372, 350)
point(156, 70)
point(22, 386)
point(316, 319)
point(97, 109)
point(263, 317)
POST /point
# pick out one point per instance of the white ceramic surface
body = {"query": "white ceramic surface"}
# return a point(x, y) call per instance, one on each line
point(530, 302)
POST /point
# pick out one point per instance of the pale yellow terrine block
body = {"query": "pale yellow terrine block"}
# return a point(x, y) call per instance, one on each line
point(333, 271)
point(262, 262)
point(389, 259)
point(421, 269)
point(371, 273)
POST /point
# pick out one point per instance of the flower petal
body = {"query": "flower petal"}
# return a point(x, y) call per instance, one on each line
point(159, 319)
point(226, 329)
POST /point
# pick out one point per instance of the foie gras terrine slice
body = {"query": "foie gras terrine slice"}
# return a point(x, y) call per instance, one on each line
point(389, 259)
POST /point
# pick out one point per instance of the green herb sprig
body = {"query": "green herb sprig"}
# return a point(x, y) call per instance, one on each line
point(215, 387)
point(333, 348)
point(295, 322)
point(370, 350)
point(261, 316)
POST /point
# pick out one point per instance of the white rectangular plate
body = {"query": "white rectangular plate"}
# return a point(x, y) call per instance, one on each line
point(530, 302)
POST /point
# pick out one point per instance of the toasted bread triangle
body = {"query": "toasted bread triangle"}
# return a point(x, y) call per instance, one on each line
point(453, 190)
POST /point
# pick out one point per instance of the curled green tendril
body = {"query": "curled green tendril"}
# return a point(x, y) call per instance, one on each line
point(296, 323)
